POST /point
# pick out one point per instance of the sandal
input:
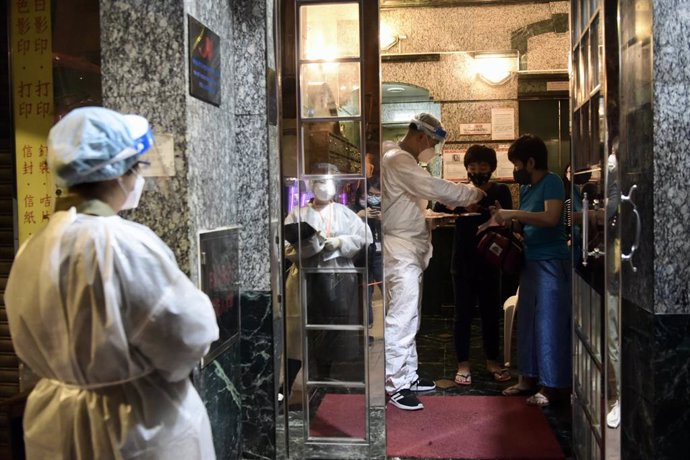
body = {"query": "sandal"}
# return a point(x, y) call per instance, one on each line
point(516, 390)
point(539, 400)
point(463, 378)
point(501, 375)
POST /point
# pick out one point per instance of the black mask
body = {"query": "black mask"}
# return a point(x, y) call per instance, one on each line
point(479, 179)
point(522, 176)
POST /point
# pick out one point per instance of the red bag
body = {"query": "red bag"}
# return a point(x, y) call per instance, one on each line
point(501, 249)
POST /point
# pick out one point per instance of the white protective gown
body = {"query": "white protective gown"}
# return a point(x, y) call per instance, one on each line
point(98, 308)
point(407, 251)
point(333, 220)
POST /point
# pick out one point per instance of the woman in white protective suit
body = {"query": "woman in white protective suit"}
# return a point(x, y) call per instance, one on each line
point(99, 309)
point(331, 298)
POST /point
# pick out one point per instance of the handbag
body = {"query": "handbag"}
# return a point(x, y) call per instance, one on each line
point(499, 247)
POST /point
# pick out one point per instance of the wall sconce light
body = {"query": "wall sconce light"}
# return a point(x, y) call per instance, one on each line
point(495, 68)
point(388, 38)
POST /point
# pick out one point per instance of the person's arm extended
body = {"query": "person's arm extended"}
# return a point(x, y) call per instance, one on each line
point(417, 182)
point(549, 217)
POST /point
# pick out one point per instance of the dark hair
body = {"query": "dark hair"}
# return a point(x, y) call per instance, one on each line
point(529, 146)
point(413, 127)
point(481, 154)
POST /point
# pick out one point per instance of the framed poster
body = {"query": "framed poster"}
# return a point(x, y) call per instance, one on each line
point(219, 276)
point(204, 62)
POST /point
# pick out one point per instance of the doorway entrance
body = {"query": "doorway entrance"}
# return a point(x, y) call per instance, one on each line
point(337, 58)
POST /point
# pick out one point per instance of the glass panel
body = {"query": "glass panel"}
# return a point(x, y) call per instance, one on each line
point(337, 143)
point(329, 32)
point(594, 53)
point(582, 70)
point(574, 21)
point(575, 84)
point(335, 355)
point(330, 90)
point(334, 298)
point(584, 13)
point(337, 413)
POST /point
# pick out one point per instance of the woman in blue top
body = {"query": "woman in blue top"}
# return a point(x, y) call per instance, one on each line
point(544, 302)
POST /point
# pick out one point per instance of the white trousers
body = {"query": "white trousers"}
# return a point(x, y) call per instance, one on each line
point(403, 270)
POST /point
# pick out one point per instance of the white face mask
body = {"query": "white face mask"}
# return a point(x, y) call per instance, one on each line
point(133, 196)
point(324, 191)
point(427, 154)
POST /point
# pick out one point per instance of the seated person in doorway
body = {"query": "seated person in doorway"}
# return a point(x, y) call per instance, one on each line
point(474, 281)
point(544, 303)
point(331, 297)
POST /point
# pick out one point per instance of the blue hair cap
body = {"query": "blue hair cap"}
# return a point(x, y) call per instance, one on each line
point(94, 144)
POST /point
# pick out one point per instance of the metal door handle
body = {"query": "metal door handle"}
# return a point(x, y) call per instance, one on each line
point(585, 228)
point(596, 253)
point(638, 228)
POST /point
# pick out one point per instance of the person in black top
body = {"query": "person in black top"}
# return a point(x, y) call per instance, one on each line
point(474, 281)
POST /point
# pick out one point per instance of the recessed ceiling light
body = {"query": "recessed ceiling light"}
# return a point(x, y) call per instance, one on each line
point(396, 89)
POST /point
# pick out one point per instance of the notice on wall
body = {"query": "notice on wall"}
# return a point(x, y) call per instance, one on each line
point(470, 129)
point(454, 165)
point(204, 62)
point(503, 124)
point(161, 157)
point(504, 168)
point(33, 108)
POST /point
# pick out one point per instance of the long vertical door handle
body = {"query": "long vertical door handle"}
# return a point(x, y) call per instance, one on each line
point(585, 228)
point(638, 228)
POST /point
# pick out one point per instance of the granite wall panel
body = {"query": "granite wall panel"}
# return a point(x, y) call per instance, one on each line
point(671, 21)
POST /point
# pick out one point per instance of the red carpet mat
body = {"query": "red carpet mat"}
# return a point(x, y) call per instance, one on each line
point(471, 427)
point(461, 427)
point(340, 416)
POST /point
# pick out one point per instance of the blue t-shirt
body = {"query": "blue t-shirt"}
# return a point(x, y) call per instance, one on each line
point(544, 243)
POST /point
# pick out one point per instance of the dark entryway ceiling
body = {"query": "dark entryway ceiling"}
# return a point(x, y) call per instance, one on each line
point(439, 3)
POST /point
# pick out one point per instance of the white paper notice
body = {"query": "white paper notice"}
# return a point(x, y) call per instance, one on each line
point(503, 124)
point(504, 168)
point(161, 156)
point(468, 129)
point(454, 164)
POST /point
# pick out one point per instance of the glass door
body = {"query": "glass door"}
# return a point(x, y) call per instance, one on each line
point(332, 389)
point(595, 229)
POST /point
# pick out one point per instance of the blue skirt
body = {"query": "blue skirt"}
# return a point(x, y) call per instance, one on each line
point(544, 322)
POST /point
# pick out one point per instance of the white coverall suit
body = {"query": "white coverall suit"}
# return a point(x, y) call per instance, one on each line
point(99, 309)
point(333, 220)
point(407, 251)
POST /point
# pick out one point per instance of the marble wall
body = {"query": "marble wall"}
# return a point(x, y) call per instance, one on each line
point(655, 128)
point(671, 160)
point(538, 31)
point(226, 173)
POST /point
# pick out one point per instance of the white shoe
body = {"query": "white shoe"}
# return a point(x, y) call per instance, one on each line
point(613, 418)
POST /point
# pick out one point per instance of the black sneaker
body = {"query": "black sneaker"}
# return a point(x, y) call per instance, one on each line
point(422, 384)
point(406, 400)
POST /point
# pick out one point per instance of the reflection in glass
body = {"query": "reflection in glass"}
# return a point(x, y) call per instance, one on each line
point(329, 32)
point(335, 355)
point(337, 413)
point(330, 90)
point(337, 143)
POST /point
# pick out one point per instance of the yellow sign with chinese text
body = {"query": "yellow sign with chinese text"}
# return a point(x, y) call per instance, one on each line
point(32, 89)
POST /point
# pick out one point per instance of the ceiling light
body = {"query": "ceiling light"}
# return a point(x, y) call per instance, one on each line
point(396, 89)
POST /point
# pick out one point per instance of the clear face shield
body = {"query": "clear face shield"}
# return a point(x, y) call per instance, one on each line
point(323, 189)
point(435, 135)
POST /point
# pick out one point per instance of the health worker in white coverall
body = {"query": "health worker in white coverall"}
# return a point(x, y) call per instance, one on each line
point(407, 248)
point(99, 309)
